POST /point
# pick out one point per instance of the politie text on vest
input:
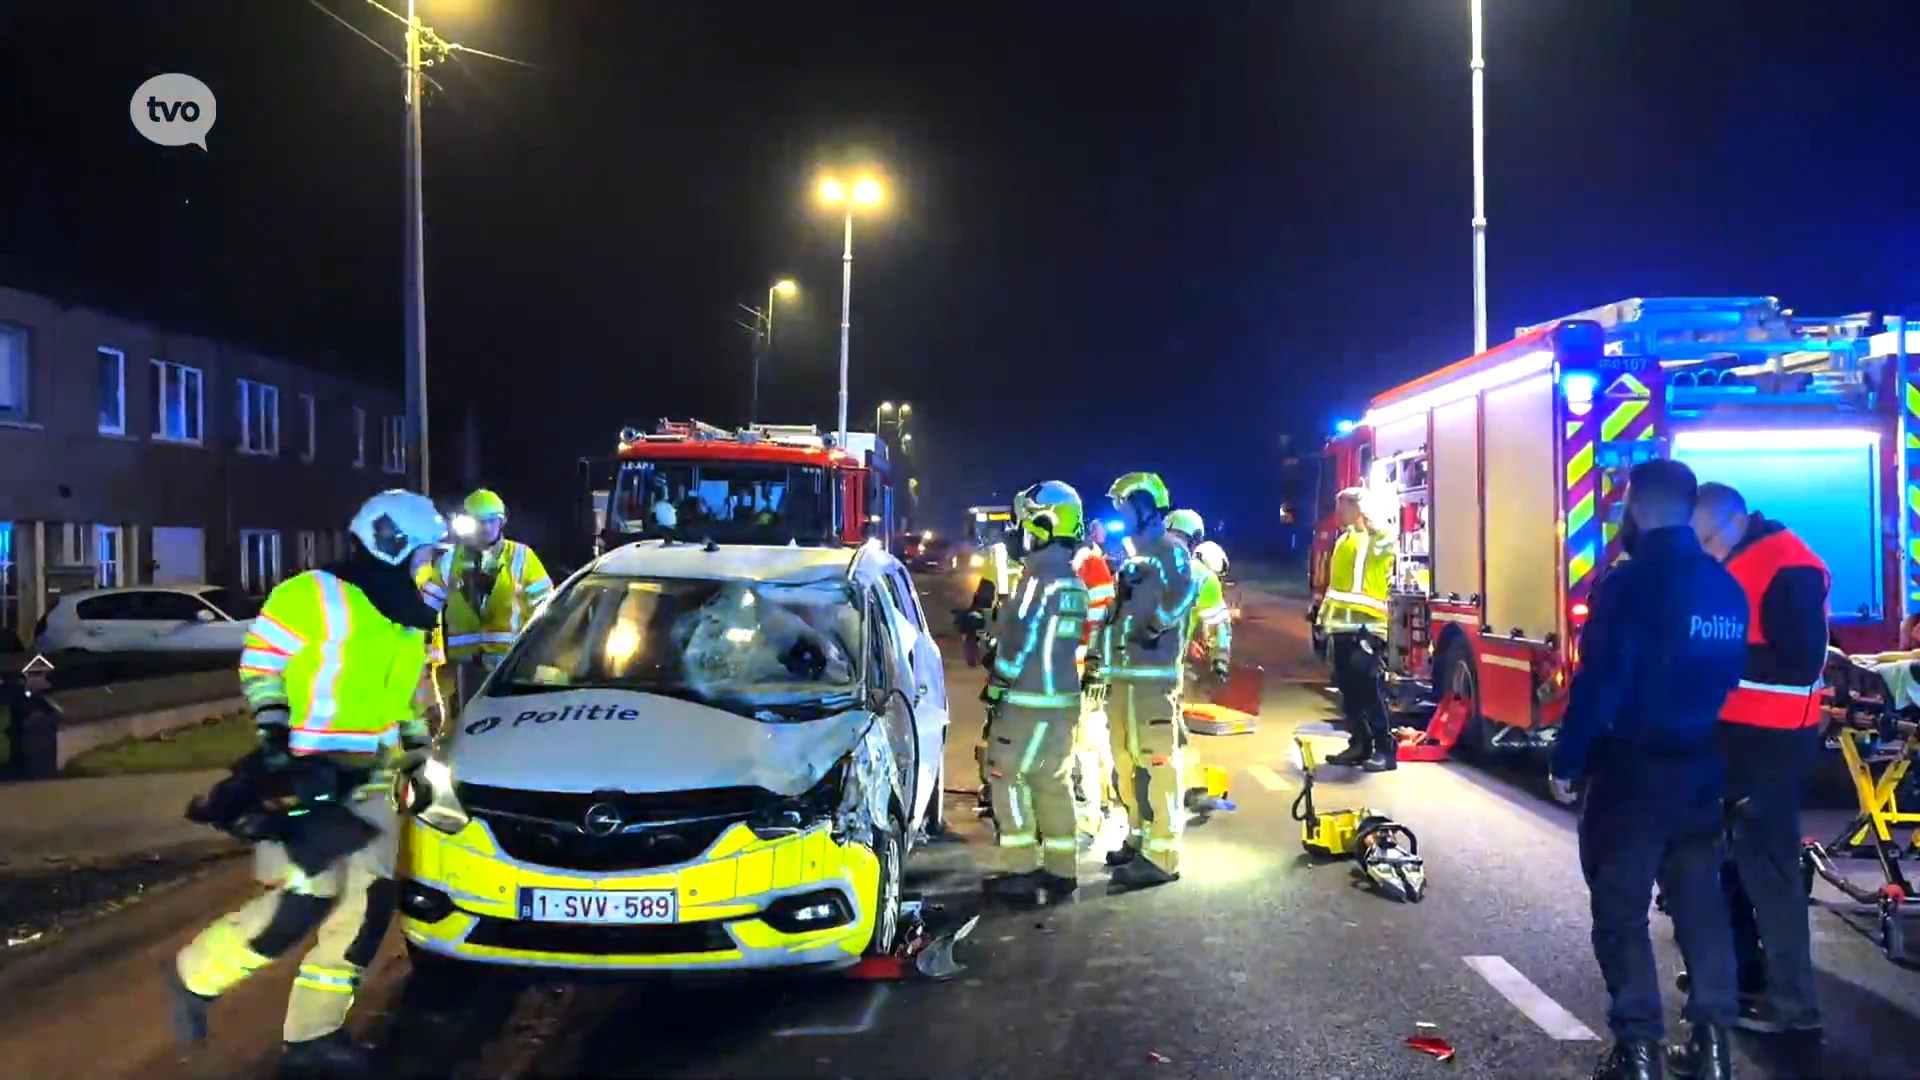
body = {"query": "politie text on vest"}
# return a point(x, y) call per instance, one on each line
point(1717, 628)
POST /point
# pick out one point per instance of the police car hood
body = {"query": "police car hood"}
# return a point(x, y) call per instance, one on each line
point(606, 740)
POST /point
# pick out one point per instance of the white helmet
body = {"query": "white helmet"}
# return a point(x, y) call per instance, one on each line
point(1212, 556)
point(394, 524)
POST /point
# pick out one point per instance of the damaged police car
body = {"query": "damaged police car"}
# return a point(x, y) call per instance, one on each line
point(696, 758)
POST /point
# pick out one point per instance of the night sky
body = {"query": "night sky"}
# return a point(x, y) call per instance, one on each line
point(1120, 235)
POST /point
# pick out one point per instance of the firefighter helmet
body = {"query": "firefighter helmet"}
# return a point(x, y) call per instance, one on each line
point(485, 504)
point(394, 524)
point(1188, 523)
point(1050, 511)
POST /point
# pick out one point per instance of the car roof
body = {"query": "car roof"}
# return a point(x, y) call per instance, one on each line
point(740, 562)
point(194, 590)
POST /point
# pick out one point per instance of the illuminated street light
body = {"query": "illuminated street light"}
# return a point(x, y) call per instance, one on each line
point(784, 289)
point(867, 191)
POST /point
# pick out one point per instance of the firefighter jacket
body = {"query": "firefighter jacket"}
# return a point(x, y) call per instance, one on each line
point(486, 598)
point(1786, 586)
point(1038, 633)
point(1097, 576)
point(346, 673)
point(1146, 640)
point(1212, 620)
point(1664, 644)
point(1359, 574)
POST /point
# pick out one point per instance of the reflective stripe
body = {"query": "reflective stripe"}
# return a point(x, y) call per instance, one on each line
point(263, 661)
point(331, 980)
point(1097, 593)
point(338, 620)
point(1216, 616)
point(1042, 701)
point(1359, 600)
point(516, 574)
point(337, 742)
point(1145, 673)
point(266, 631)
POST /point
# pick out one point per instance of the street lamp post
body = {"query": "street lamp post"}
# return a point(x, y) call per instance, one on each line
point(781, 288)
point(415, 274)
point(865, 191)
point(1478, 65)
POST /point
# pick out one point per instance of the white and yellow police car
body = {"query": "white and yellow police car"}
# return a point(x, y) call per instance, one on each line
point(696, 758)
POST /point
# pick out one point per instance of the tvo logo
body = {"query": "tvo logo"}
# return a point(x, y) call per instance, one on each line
point(173, 110)
point(1716, 628)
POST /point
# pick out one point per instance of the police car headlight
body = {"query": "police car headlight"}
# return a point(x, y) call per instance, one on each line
point(428, 794)
point(975, 562)
point(821, 802)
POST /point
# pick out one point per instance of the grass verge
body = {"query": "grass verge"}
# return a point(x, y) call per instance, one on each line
point(215, 744)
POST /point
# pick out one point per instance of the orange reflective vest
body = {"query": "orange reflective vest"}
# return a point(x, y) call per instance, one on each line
point(1756, 702)
point(1097, 575)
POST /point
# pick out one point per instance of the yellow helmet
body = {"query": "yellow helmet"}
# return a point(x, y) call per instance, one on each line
point(484, 504)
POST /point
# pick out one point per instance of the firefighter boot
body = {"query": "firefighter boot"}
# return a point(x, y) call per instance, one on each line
point(1704, 1056)
point(1140, 873)
point(190, 1010)
point(330, 1057)
point(1385, 757)
point(1033, 889)
point(1631, 1061)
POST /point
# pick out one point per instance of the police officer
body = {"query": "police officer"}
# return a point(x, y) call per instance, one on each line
point(1662, 648)
point(1035, 683)
point(1353, 614)
point(330, 667)
point(1769, 735)
point(1146, 648)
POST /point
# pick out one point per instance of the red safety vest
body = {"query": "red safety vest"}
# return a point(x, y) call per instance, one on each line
point(1764, 704)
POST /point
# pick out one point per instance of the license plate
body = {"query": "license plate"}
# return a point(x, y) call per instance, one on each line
point(596, 908)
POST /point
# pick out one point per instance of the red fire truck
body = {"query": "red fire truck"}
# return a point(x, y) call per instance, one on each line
point(1504, 474)
point(765, 484)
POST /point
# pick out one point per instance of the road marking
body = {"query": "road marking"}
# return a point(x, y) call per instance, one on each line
point(1532, 1001)
point(1318, 729)
point(868, 1017)
point(1268, 778)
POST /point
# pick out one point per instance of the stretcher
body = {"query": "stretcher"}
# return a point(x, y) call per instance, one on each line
point(1873, 703)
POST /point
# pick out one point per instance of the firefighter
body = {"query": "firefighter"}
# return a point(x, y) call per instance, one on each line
point(1093, 754)
point(488, 589)
point(1212, 621)
point(1036, 689)
point(330, 668)
point(1353, 614)
point(1146, 648)
point(1769, 736)
point(1662, 648)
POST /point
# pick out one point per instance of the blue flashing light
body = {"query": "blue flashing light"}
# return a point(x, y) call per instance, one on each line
point(1116, 527)
point(1580, 387)
point(1344, 427)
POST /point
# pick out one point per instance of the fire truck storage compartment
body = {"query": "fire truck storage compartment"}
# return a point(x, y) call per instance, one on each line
point(1523, 510)
point(1399, 437)
point(1455, 505)
point(1824, 484)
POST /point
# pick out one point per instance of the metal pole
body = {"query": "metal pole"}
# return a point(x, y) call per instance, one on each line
point(846, 320)
point(1479, 66)
point(415, 274)
point(765, 348)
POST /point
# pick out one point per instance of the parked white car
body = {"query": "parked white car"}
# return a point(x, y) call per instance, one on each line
point(147, 619)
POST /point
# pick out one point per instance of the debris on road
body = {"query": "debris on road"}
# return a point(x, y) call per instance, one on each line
point(920, 951)
point(1158, 1058)
point(1432, 1044)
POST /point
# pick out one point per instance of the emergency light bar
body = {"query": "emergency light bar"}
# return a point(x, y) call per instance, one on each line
point(1492, 378)
point(1791, 439)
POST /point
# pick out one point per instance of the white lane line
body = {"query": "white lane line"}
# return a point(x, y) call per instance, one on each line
point(1532, 1001)
point(868, 1017)
point(1268, 778)
point(1321, 728)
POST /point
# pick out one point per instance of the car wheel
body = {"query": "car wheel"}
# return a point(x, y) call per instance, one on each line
point(890, 851)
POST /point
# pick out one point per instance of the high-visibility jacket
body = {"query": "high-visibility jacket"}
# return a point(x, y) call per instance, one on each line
point(1147, 639)
point(1769, 695)
point(486, 624)
point(1097, 575)
point(1039, 631)
point(1359, 574)
point(1212, 622)
point(346, 674)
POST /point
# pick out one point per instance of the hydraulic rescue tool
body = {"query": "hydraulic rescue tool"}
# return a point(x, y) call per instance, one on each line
point(1385, 852)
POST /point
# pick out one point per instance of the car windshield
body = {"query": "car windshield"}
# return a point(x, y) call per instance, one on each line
point(761, 649)
point(731, 502)
point(232, 603)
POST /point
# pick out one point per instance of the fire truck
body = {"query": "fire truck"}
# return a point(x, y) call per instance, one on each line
point(764, 484)
point(1505, 474)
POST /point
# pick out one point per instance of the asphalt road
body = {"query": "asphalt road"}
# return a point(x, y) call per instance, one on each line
point(1256, 965)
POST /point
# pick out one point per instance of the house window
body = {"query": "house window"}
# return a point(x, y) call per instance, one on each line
point(359, 437)
point(393, 444)
point(9, 584)
point(309, 411)
point(309, 553)
point(113, 390)
point(178, 408)
point(259, 406)
point(15, 368)
point(259, 560)
point(108, 560)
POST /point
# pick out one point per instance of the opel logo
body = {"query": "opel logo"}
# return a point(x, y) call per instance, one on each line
point(603, 819)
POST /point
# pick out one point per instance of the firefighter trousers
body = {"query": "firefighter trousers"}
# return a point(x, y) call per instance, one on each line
point(1029, 766)
point(1143, 722)
point(350, 903)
